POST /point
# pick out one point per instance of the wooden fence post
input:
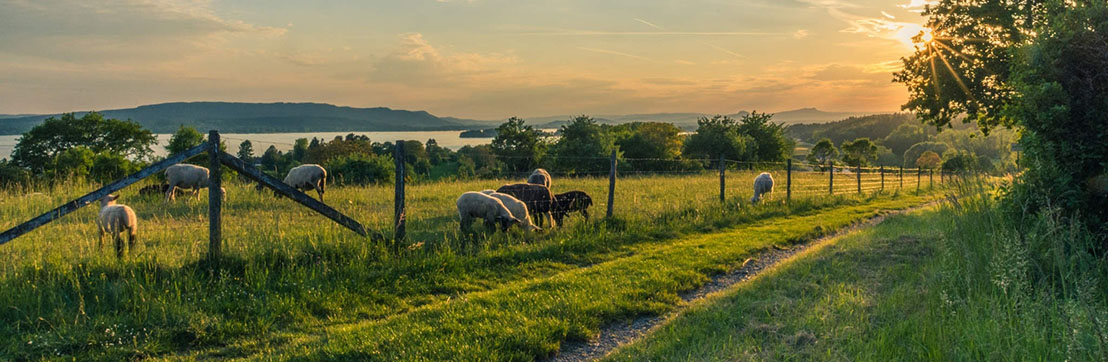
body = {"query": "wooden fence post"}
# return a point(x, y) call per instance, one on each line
point(942, 173)
point(722, 179)
point(788, 180)
point(831, 177)
point(400, 217)
point(882, 171)
point(931, 178)
point(859, 176)
point(901, 176)
point(612, 184)
point(215, 198)
point(919, 175)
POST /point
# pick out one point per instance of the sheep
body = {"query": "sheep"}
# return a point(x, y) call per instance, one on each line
point(539, 177)
point(762, 184)
point(474, 204)
point(518, 209)
point(186, 176)
point(539, 200)
point(308, 177)
point(114, 219)
point(568, 202)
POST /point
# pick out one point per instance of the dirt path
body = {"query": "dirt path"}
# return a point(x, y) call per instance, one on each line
point(618, 334)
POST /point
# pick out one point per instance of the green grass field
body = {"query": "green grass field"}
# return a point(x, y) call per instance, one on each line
point(293, 283)
point(949, 283)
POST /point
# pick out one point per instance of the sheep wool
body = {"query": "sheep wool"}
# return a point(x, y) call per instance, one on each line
point(762, 184)
point(473, 205)
point(185, 176)
point(540, 177)
point(115, 219)
point(516, 207)
point(308, 177)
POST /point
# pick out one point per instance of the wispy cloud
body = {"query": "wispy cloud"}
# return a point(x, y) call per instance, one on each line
point(724, 50)
point(648, 24)
point(613, 52)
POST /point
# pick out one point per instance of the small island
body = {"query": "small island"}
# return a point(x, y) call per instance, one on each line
point(479, 133)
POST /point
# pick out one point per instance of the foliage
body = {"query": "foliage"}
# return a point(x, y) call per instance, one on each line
point(903, 138)
point(361, 169)
point(73, 162)
point(876, 127)
point(437, 154)
point(658, 142)
point(823, 153)
point(38, 148)
point(519, 146)
point(929, 160)
point(959, 161)
point(246, 151)
point(12, 175)
point(184, 139)
point(107, 167)
point(585, 147)
point(860, 152)
point(319, 152)
point(913, 153)
point(769, 142)
point(716, 136)
point(478, 161)
point(300, 149)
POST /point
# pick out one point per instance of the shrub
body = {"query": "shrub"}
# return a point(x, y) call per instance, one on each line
point(361, 169)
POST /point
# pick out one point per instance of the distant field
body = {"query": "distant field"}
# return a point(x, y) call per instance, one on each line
point(291, 274)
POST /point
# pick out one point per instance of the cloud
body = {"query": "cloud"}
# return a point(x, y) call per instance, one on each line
point(648, 24)
point(800, 34)
point(416, 61)
point(878, 27)
point(917, 5)
point(613, 52)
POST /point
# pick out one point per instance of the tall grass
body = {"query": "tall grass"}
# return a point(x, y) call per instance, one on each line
point(288, 270)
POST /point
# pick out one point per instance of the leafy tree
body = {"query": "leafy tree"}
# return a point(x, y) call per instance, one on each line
point(300, 149)
point(246, 151)
point(38, 148)
point(275, 162)
point(361, 169)
point(478, 161)
point(657, 141)
point(913, 153)
point(929, 160)
point(770, 144)
point(903, 137)
point(715, 136)
point(12, 175)
point(323, 152)
point(823, 153)
point(584, 147)
point(73, 162)
point(958, 161)
point(108, 167)
point(184, 139)
point(860, 152)
point(518, 146)
point(437, 154)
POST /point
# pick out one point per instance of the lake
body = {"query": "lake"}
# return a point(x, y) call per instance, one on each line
point(284, 141)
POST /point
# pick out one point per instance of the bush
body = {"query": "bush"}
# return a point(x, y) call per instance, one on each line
point(361, 170)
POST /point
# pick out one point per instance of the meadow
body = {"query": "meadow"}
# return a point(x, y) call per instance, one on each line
point(290, 276)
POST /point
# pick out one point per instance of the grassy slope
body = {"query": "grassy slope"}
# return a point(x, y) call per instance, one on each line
point(290, 273)
point(937, 285)
point(530, 318)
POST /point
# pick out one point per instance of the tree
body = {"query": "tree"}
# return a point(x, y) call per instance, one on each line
point(184, 139)
point(12, 175)
point(958, 161)
point(300, 149)
point(585, 147)
point(518, 146)
point(659, 142)
point(108, 167)
point(903, 137)
point(437, 154)
point(913, 153)
point(860, 152)
point(770, 144)
point(361, 169)
point(38, 148)
point(73, 162)
point(246, 151)
point(715, 136)
point(823, 153)
point(929, 160)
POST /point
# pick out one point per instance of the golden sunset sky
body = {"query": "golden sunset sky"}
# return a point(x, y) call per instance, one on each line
point(484, 59)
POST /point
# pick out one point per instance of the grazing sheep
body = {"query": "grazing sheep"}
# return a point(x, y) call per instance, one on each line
point(114, 219)
point(478, 205)
point(186, 176)
point(538, 198)
point(762, 184)
point(151, 190)
point(572, 201)
point(518, 209)
point(539, 177)
point(308, 177)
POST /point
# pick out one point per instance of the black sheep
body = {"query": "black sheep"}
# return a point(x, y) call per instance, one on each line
point(539, 199)
point(568, 202)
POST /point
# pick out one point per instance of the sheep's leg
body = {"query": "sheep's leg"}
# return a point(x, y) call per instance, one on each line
point(321, 188)
point(585, 213)
point(131, 240)
point(171, 193)
point(100, 239)
point(118, 245)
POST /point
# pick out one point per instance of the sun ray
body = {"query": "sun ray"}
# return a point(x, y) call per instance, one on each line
point(957, 78)
point(953, 51)
point(934, 72)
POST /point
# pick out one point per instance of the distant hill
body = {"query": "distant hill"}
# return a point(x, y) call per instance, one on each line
point(687, 121)
point(264, 117)
point(875, 127)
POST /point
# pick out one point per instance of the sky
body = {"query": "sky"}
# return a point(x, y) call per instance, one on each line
point(481, 59)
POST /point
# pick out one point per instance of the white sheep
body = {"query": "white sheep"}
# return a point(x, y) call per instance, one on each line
point(185, 176)
point(762, 184)
point(114, 219)
point(478, 205)
point(516, 207)
point(308, 177)
point(539, 177)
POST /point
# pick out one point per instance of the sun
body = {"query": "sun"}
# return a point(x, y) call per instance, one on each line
point(926, 37)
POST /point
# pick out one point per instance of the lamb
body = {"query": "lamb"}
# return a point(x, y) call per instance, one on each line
point(762, 185)
point(474, 204)
point(308, 177)
point(186, 176)
point(539, 177)
point(516, 207)
point(539, 200)
point(114, 219)
point(572, 201)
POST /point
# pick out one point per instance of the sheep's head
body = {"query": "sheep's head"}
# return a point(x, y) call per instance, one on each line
point(506, 222)
point(108, 200)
